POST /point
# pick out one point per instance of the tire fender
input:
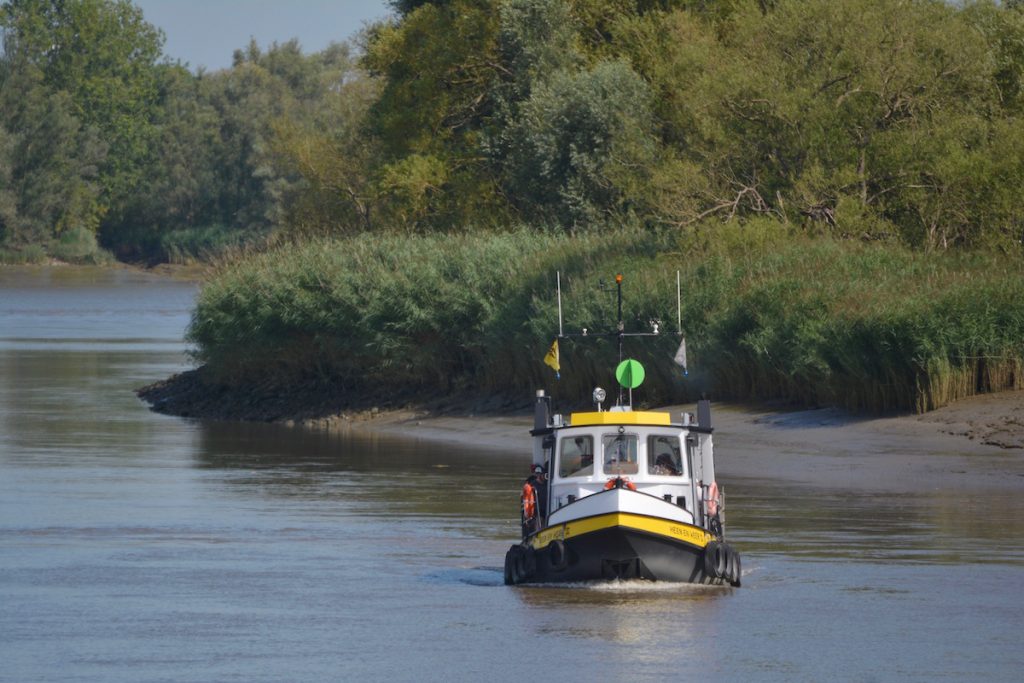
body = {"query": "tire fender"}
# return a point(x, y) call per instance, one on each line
point(721, 560)
point(730, 564)
point(711, 560)
point(510, 566)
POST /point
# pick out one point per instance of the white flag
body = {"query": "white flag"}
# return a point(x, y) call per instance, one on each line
point(680, 358)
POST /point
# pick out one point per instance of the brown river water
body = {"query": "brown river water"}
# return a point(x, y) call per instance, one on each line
point(140, 547)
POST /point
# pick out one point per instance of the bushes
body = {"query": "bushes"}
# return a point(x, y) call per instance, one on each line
point(78, 245)
point(871, 327)
point(190, 245)
point(428, 311)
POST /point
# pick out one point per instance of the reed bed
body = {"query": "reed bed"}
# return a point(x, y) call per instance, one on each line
point(767, 315)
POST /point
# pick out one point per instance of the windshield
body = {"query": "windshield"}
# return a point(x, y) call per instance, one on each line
point(620, 453)
point(664, 457)
point(576, 457)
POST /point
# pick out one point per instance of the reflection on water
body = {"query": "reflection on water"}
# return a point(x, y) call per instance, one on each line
point(933, 527)
point(135, 546)
point(369, 475)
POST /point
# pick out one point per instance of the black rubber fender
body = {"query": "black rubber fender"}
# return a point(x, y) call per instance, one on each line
point(711, 560)
point(721, 560)
point(525, 563)
point(557, 556)
point(737, 579)
point(730, 563)
point(510, 566)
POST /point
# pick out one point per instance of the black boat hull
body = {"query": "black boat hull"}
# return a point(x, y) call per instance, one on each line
point(623, 553)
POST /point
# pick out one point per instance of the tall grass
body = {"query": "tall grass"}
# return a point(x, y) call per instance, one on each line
point(871, 327)
point(79, 245)
point(767, 315)
point(193, 245)
point(27, 255)
point(440, 312)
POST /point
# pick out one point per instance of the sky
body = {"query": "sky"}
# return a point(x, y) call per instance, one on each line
point(206, 32)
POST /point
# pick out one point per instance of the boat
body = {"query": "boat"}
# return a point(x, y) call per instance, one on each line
point(621, 494)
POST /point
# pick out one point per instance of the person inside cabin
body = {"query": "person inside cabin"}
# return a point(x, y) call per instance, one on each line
point(663, 456)
point(620, 451)
point(663, 465)
point(586, 454)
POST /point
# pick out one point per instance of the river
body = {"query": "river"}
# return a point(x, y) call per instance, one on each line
point(140, 547)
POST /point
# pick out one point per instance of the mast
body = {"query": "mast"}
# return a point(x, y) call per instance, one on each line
point(620, 326)
point(621, 332)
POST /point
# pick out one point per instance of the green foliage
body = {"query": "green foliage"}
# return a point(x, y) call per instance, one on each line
point(435, 92)
point(537, 39)
point(436, 101)
point(331, 151)
point(434, 311)
point(870, 327)
point(78, 245)
point(101, 53)
point(193, 245)
point(575, 144)
point(28, 255)
point(767, 315)
point(904, 109)
point(49, 183)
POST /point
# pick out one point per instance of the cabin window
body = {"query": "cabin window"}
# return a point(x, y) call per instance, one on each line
point(664, 457)
point(576, 458)
point(620, 453)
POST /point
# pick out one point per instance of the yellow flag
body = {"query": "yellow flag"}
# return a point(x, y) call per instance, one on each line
point(551, 358)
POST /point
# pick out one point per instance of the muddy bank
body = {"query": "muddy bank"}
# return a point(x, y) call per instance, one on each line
point(967, 446)
point(974, 444)
point(197, 393)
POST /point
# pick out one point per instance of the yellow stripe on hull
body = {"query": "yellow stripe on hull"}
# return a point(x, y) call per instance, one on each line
point(677, 531)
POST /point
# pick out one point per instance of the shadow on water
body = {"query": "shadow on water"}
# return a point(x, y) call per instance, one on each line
point(366, 473)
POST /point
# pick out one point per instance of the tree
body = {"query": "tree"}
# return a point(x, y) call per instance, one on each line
point(102, 53)
point(577, 142)
point(332, 151)
point(435, 107)
point(50, 164)
point(861, 117)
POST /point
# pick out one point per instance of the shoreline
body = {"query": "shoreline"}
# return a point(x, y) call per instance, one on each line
point(949, 449)
point(976, 444)
point(190, 272)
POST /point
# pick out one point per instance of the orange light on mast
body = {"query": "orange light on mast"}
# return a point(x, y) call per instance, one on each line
point(618, 278)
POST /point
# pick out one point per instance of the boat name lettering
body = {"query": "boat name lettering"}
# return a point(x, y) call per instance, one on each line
point(694, 535)
point(548, 535)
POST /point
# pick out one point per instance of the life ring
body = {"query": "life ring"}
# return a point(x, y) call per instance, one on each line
point(713, 499)
point(711, 560)
point(619, 482)
point(529, 502)
point(557, 556)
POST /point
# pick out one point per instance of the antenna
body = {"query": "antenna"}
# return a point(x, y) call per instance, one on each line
point(558, 285)
point(635, 369)
point(621, 330)
point(679, 306)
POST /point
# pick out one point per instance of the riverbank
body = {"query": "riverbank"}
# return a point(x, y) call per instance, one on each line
point(190, 272)
point(976, 444)
point(973, 444)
